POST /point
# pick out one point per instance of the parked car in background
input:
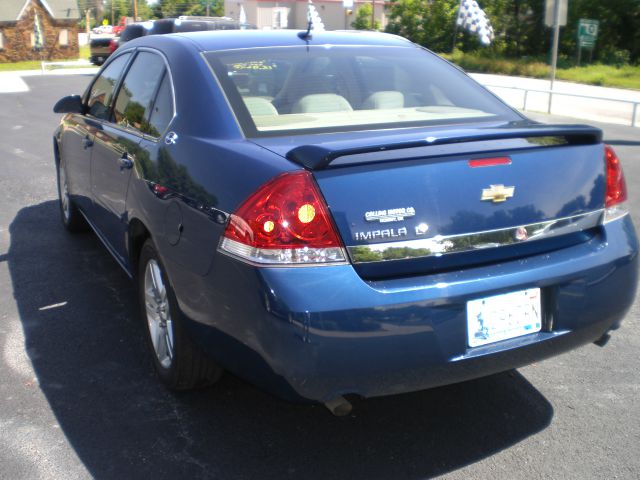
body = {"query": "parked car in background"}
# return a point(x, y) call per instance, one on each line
point(334, 213)
point(103, 29)
point(177, 25)
point(101, 47)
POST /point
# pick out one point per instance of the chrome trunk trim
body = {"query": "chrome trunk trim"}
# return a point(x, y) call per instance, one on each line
point(443, 245)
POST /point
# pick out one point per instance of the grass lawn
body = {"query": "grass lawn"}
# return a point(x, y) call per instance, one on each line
point(604, 75)
point(35, 64)
point(627, 76)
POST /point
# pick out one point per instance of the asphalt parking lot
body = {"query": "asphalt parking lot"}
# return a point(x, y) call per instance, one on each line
point(78, 397)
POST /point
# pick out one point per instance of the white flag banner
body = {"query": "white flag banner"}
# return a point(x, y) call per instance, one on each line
point(473, 19)
point(314, 17)
point(243, 15)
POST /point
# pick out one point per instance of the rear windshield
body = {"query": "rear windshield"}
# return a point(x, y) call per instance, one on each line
point(305, 89)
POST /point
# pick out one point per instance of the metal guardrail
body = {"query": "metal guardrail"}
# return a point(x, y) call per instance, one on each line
point(551, 93)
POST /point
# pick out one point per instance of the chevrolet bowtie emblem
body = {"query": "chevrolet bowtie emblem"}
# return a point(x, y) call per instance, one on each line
point(497, 193)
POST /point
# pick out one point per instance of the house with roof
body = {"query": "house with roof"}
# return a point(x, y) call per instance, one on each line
point(38, 29)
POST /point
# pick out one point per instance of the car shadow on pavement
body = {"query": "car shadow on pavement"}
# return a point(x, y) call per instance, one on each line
point(85, 343)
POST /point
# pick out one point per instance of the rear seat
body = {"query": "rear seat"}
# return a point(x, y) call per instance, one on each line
point(321, 102)
point(384, 100)
point(258, 106)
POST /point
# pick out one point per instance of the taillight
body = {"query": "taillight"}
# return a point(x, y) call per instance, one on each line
point(286, 221)
point(113, 45)
point(616, 190)
point(489, 162)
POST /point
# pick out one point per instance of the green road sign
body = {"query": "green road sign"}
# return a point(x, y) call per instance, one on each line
point(587, 32)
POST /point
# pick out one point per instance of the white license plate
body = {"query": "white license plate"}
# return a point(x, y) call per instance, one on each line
point(500, 317)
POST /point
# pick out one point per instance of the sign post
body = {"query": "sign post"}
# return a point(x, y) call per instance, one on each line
point(555, 16)
point(549, 13)
point(587, 35)
point(348, 7)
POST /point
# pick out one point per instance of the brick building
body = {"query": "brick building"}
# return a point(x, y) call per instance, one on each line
point(277, 14)
point(58, 23)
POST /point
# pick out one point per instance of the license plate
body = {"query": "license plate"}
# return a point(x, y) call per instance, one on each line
point(500, 317)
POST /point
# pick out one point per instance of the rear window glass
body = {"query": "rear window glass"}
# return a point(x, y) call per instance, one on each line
point(318, 88)
point(133, 31)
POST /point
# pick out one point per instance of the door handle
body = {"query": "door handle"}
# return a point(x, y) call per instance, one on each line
point(87, 142)
point(126, 161)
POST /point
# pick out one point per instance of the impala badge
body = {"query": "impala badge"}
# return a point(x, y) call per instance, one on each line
point(497, 193)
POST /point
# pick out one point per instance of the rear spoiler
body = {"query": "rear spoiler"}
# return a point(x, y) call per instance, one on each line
point(318, 157)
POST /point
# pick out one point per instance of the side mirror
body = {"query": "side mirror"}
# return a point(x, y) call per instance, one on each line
point(69, 104)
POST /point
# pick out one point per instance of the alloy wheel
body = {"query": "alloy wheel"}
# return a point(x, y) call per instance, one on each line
point(158, 314)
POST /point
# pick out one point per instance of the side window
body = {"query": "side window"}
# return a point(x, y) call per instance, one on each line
point(162, 111)
point(133, 104)
point(102, 89)
point(63, 37)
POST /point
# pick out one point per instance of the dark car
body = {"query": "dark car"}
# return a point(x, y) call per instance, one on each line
point(102, 47)
point(341, 213)
point(177, 25)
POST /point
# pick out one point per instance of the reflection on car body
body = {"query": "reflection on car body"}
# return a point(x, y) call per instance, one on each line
point(310, 213)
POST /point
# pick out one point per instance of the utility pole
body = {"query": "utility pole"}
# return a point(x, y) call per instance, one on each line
point(556, 38)
point(112, 14)
point(373, 14)
point(135, 10)
point(87, 21)
point(208, 7)
point(554, 51)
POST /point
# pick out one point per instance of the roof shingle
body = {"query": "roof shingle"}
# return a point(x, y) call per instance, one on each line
point(59, 9)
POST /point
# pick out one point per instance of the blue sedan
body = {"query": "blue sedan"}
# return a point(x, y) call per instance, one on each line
point(337, 213)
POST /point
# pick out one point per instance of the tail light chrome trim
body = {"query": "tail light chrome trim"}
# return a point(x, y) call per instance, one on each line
point(615, 212)
point(290, 257)
point(442, 245)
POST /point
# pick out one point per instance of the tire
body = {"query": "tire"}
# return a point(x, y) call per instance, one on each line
point(178, 361)
point(71, 217)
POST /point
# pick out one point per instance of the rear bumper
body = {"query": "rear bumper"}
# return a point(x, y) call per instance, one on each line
point(317, 333)
point(99, 56)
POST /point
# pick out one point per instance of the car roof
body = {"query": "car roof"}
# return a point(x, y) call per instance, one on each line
point(235, 39)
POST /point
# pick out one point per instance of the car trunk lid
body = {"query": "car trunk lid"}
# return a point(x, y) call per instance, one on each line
point(459, 197)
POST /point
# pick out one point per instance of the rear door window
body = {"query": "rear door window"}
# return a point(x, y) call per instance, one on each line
point(162, 111)
point(104, 86)
point(135, 98)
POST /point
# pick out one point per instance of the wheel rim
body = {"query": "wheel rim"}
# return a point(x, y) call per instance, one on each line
point(158, 314)
point(64, 193)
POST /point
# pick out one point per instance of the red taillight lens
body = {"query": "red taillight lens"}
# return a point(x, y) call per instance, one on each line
point(616, 186)
point(284, 222)
point(489, 162)
point(113, 45)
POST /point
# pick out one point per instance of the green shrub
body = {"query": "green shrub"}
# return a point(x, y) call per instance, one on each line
point(624, 76)
point(482, 63)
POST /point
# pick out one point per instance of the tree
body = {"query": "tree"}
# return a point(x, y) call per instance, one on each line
point(363, 18)
point(429, 23)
